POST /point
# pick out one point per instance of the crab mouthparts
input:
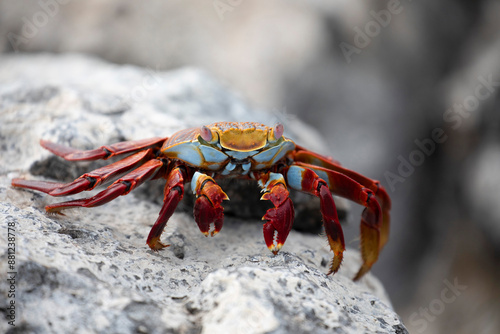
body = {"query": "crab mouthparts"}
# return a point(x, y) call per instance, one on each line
point(235, 166)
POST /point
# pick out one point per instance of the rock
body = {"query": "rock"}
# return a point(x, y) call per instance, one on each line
point(91, 271)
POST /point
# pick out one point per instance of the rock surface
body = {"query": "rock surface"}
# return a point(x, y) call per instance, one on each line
point(90, 270)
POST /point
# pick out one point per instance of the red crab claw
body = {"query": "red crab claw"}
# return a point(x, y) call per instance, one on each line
point(280, 218)
point(207, 208)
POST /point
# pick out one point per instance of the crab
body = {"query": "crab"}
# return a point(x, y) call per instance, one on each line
point(244, 150)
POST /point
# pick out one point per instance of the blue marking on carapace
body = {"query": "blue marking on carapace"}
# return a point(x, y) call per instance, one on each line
point(286, 148)
point(274, 154)
point(267, 155)
point(187, 152)
point(212, 155)
point(196, 155)
point(260, 166)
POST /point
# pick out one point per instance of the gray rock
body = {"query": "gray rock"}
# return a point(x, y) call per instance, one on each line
point(90, 271)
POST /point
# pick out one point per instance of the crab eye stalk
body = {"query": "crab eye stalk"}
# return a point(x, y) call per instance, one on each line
point(275, 133)
point(206, 135)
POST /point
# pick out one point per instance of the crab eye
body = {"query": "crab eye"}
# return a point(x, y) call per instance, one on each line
point(276, 132)
point(206, 134)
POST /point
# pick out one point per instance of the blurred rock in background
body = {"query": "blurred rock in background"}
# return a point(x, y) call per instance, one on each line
point(377, 78)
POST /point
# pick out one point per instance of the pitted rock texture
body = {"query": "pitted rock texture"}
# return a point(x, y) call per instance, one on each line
point(90, 271)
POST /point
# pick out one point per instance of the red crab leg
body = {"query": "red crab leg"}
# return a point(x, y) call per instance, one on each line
point(280, 218)
point(120, 187)
point(173, 193)
point(87, 181)
point(371, 219)
point(103, 152)
point(304, 179)
point(382, 196)
point(207, 208)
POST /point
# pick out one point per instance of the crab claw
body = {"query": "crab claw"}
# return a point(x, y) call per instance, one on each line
point(280, 218)
point(279, 223)
point(207, 208)
point(205, 214)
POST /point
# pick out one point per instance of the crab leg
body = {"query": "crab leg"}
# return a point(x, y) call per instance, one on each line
point(280, 218)
point(87, 181)
point(103, 152)
point(173, 193)
point(207, 208)
point(371, 219)
point(120, 187)
point(312, 158)
point(305, 180)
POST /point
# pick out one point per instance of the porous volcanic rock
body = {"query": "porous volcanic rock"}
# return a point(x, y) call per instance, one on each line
point(90, 270)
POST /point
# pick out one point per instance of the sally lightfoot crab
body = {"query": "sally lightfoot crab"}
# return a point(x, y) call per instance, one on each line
point(200, 156)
